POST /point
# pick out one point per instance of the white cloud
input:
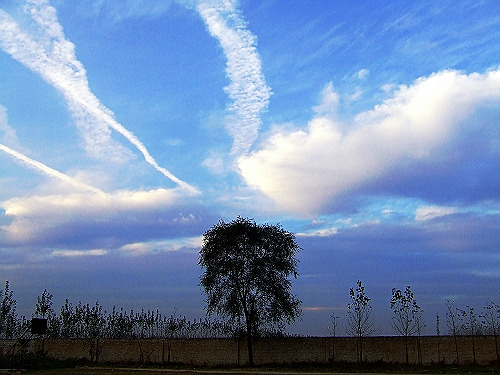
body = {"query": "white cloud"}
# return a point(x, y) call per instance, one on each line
point(78, 253)
point(215, 163)
point(425, 213)
point(7, 134)
point(248, 89)
point(140, 248)
point(325, 232)
point(362, 73)
point(329, 102)
point(46, 51)
point(388, 87)
point(305, 170)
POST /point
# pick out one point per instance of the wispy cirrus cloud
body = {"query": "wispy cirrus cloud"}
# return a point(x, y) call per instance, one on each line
point(248, 89)
point(304, 171)
point(121, 10)
point(45, 50)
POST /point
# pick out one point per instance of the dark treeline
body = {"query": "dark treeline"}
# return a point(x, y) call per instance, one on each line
point(93, 321)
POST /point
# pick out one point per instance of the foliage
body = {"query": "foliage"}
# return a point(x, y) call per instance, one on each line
point(246, 278)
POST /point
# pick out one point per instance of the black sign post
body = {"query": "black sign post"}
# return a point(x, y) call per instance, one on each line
point(38, 326)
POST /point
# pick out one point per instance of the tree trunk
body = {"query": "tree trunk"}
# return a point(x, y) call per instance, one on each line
point(406, 348)
point(473, 350)
point(250, 347)
point(456, 347)
point(496, 348)
point(360, 349)
point(248, 321)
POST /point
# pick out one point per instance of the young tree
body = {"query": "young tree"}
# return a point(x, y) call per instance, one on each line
point(246, 278)
point(94, 324)
point(452, 323)
point(491, 322)
point(407, 319)
point(469, 325)
point(44, 310)
point(44, 305)
point(334, 330)
point(438, 333)
point(359, 317)
point(8, 318)
point(119, 324)
point(69, 321)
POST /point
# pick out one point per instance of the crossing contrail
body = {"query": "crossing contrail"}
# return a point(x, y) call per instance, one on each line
point(49, 171)
point(52, 56)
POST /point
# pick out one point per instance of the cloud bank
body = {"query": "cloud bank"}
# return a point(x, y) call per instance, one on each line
point(106, 220)
point(423, 126)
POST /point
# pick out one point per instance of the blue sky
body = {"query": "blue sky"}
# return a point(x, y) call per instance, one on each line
point(128, 128)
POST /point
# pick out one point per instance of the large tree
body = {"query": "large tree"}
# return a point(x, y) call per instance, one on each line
point(247, 270)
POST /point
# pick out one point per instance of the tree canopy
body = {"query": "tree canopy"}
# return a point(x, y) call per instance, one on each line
point(246, 275)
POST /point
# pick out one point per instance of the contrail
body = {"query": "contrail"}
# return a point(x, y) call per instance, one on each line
point(248, 88)
point(53, 58)
point(49, 171)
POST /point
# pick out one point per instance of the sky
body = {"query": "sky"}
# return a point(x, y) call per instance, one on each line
point(369, 130)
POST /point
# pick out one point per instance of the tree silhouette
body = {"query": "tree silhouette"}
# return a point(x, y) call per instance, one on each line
point(8, 318)
point(491, 323)
point(359, 317)
point(407, 319)
point(246, 278)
